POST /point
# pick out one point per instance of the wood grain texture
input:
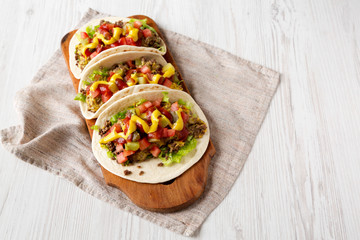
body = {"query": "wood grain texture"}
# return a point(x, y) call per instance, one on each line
point(301, 178)
point(173, 195)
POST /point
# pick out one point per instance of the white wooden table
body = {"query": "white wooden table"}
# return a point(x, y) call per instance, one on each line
point(302, 177)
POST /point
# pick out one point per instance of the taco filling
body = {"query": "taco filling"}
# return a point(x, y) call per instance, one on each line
point(147, 129)
point(108, 35)
point(101, 84)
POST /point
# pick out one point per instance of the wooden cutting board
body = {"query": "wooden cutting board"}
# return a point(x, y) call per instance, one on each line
point(173, 195)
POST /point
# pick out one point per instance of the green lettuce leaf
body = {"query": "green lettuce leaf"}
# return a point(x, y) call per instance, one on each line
point(165, 97)
point(141, 101)
point(95, 127)
point(80, 97)
point(115, 117)
point(91, 30)
point(176, 157)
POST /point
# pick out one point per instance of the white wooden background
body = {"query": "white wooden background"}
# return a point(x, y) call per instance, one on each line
point(302, 178)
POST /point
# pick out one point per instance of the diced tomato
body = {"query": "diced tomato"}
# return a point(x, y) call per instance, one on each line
point(128, 73)
point(109, 26)
point(110, 75)
point(164, 133)
point(117, 128)
point(149, 113)
point(95, 93)
point(157, 103)
point(120, 141)
point(84, 35)
point(166, 113)
point(131, 65)
point(167, 83)
point(130, 137)
point(121, 158)
point(155, 151)
point(128, 152)
point(93, 55)
point(182, 135)
point(149, 76)
point(185, 117)
point(145, 69)
point(137, 24)
point(174, 107)
point(104, 88)
point(107, 36)
point(130, 41)
point(115, 44)
point(127, 118)
point(100, 42)
point(161, 80)
point(156, 135)
point(142, 108)
point(102, 30)
point(122, 41)
point(144, 143)
point(147, 32)
point(87, 90)
point(170, 132)
point(148, 104)
point(106, 96)
point(119, 148)
point(121, 84)
point(99, 48)
point(126, 126)
point(87, 52)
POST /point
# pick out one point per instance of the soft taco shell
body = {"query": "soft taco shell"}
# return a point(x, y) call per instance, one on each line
point(152, 172)
point(109, 62)
point(76, 71)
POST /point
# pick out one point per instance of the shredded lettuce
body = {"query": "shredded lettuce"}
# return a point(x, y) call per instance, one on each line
point(104, 72)
point(176, 157)
point(161, 49)
point(95, 127)
point(141, 101)
point(80, 97)
point(111, 154)
point(91, 30)
point(181, 102)
point(165, 97)
point(188, 105)
point(115, 117)
point(86, 83)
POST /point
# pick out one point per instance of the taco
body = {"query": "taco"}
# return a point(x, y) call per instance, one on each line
point(100, 38)
point(122, 74)
point(151, 137)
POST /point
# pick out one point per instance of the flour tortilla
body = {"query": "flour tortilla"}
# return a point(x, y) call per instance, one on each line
point(109, 62)
point(76, 71)
point(152, 172)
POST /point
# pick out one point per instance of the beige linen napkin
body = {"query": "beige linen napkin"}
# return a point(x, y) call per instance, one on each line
point(234, 94)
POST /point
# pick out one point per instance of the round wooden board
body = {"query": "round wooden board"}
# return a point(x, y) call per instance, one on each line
point(163, 197)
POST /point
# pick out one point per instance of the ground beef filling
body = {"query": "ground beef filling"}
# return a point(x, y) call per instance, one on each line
point(196, 127)
point(106, 128)
point(152, 41)
point(139, 156)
